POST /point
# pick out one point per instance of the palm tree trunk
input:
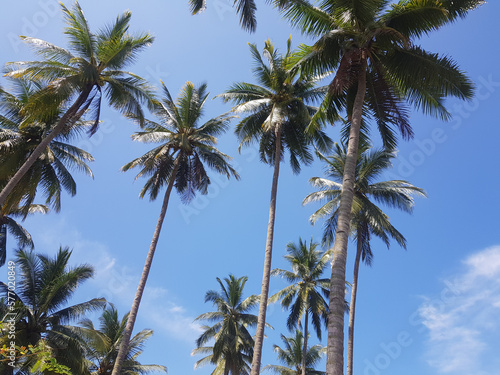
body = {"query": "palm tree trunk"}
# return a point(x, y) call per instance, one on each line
point(335, 346)
point(259, 336)
point(127, 333)
point(304, 349)
point(69, 115)
point(3, 242)
point(352, 308)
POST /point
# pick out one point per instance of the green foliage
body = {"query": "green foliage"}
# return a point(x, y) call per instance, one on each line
point(91, 67)
point(291, 356)
point(232, 349)
point(184, 142)
point(398, 72)
point(43, 289)
point(245, 8)
point(40, 355)
point(365, 214)
point(101, 345)
point(50, 174)
point(308, 290)
point(277, 108)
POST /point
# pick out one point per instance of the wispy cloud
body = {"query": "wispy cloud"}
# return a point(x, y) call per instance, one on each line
point(116, 282)
point(463, 330)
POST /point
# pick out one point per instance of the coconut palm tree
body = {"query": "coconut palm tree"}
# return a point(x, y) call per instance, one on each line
point(367, 218)
point(232, 349)
point(277, 118)
point(245, 8)
point(44, 287)
point(90, 68)
point(292, 356)
point(185, 145)
point(380, 70)
point(101, 345)
point(305, 297)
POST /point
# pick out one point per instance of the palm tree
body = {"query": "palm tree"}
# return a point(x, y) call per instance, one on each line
point(308, 290)
point(245, 8)
point(379, 71)
point(233, 347)
point(101, 345)
point(367, 218)
point(92, 66)
point(278, 117)
point(178, 160)
point(43, 289)
point(292, 356)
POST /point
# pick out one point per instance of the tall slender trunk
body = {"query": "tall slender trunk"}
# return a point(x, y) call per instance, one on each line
point(352, 307)
point(69, 115)
point(335, 346)
point(304, 349)
point(144, 277)
point(261, 323)
point(3, 242)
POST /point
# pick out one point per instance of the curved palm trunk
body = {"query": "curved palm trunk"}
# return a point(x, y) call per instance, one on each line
point(352, 308)
point(259, 335)
point(144, 277)
point(71, 114)
point(335, 346)
point(304, 349)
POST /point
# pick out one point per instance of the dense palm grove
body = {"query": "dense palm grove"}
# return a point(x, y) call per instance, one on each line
point(365, 69)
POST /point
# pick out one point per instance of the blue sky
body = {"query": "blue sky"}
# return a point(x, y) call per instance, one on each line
point(432, 309)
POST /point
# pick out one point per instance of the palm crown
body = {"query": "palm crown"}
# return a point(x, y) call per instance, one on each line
point(308, 289)
point(365, 213)
point(50, 171)
point(92, 66)
point(277, 108)
point(233, 347)
point(186, 145)
point(101, 345)
point(292, 357)
point(44, 287)
point(376, 37)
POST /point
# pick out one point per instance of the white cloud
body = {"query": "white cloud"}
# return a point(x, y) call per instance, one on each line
point(485, 263)
point(460, 327)
point(118, 284)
